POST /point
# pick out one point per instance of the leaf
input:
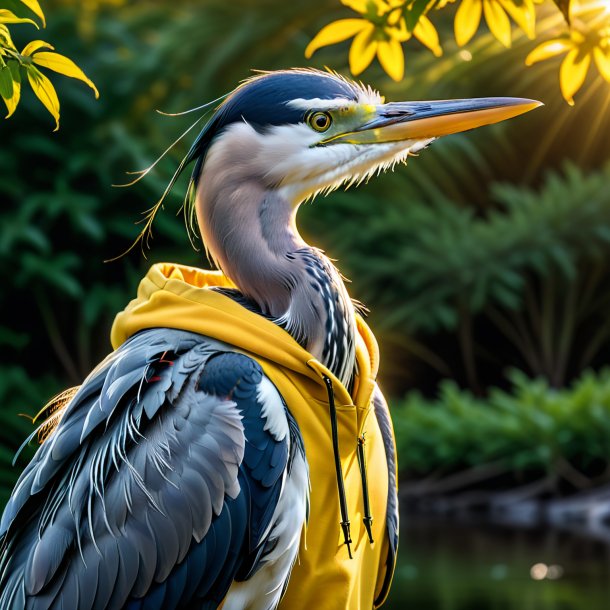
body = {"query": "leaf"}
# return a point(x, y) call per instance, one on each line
point(467, 19)
point(523, 14)
point(416, 10)
point(391, 58)
point(5, 38)
point(572, 74)
point(335, 32)
point(602, 61)
point(34, 46)
point(564, 7)
point(362, 50)
point(45, 92)
point(63, 65)
point(6, 82)
point(13, 100)
point(548, 49)
point(498, 22)
point(56, 272)
point(9, 17)
point(36, 9)
point(426, 33)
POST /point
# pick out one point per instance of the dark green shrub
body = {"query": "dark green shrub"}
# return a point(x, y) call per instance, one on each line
point(532, 427)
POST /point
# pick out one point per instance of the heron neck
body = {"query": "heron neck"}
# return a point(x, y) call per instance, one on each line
point(250, 234)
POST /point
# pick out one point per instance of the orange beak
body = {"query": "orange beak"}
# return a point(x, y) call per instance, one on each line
point(399, 121)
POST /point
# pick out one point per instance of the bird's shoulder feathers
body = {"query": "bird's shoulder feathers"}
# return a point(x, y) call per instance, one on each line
point(159, 486)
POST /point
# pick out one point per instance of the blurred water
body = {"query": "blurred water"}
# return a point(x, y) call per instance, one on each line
point(453, 566)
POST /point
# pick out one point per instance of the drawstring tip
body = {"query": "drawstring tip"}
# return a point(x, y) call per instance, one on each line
point(368, 524)
point(347, 537)
point(368, 518)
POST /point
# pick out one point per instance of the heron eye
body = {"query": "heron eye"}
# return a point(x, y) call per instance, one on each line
point(320, 121)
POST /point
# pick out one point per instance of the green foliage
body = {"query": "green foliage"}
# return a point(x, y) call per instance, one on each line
point(444, 255)
point(20, 397)
point(14, 64)
point(534, 267)
point(532, 427)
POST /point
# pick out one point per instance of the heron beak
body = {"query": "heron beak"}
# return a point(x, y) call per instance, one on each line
point(399, 121)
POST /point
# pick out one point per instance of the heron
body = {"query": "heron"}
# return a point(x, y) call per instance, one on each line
point(235, 450)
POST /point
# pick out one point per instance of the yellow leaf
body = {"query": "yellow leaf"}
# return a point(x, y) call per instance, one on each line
point(5, 38)
point(34, 46)
point(602, 61)
point(548, 49)
point(363, 50)
point(391, 58)
point(426, 33)
point(398, 30)
point(13, 101)
point(497, 21)
point(334, 32)
point(9, 17)
point(45, 92)
point(524, 15)
point(572, 74)
point(35, 8)
point(467, 19)
point(394, 18)
point(62, 65)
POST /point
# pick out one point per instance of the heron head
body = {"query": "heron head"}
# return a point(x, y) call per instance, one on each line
point(304, 131)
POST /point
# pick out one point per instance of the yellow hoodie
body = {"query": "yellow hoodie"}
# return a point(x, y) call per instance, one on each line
point(324, 577)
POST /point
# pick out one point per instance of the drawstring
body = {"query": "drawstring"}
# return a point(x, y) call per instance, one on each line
point(368, 518)
point(345, 526)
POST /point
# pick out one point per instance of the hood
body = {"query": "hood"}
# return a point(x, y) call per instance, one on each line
point(177, 296)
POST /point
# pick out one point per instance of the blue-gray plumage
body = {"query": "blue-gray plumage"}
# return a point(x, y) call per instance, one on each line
point(167, 434)
point(176, 477)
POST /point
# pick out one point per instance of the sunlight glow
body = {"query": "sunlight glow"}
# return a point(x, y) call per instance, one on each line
point(555, 572)
point(592, 5)
point(539, 571)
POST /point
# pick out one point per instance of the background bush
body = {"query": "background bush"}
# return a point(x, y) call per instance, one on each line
point(530, 430)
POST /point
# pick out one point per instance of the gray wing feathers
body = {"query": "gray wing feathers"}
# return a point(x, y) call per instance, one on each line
point(91, 406)
point(129, 508)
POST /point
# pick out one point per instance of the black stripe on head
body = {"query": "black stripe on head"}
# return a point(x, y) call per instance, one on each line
point(264, 99)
